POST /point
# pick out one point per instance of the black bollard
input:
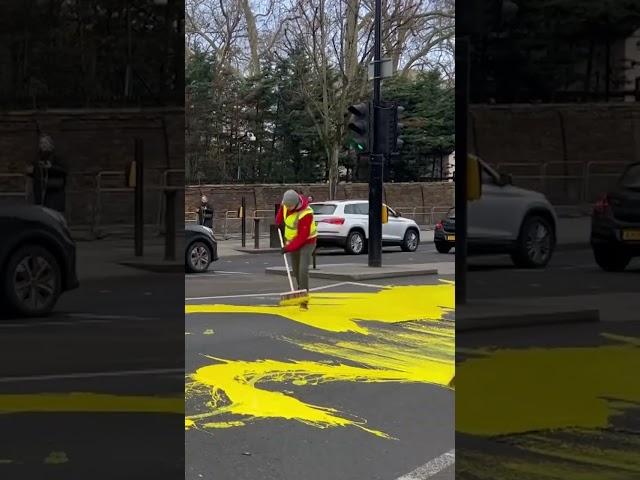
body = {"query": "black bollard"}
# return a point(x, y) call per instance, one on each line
point(256, 229)
point(139, 199)
point(170, 225)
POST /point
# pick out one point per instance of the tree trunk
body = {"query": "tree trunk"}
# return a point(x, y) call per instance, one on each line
point(252, 32)
point(333, 153)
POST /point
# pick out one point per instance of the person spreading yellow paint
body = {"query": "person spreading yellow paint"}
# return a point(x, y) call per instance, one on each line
point(300, 233)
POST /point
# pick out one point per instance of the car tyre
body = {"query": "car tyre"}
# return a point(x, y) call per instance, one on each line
point(535, 244)
point(442, 247)
point(356, 243)
point(410, 241)
point(198, 258)
point(32, 282)
point(611, 260)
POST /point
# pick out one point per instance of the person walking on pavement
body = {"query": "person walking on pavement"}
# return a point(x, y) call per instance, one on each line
point(300, 233)
point(205, 213)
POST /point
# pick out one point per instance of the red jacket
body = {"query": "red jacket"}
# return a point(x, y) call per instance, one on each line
point(304, 227)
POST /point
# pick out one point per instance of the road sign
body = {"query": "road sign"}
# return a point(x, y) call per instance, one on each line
point(386, 69)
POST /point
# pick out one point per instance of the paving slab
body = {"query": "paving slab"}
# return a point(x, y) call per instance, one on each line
point(487, 315)
point(357, 272)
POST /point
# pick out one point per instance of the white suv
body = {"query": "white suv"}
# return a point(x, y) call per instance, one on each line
point(345, 224)
point(505, 219)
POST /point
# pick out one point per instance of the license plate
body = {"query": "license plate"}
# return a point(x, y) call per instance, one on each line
point(451, 238)
point(632, 235)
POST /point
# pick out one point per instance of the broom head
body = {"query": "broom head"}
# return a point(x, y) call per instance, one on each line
point(297, 297)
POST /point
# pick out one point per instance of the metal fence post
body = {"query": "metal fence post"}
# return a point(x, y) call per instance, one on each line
point(256, 229)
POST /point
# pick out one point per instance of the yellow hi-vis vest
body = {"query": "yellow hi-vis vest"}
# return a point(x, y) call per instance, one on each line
point(291, 223)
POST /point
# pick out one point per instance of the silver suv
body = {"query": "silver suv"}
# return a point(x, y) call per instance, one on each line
point(345, 224)
point(505, 219)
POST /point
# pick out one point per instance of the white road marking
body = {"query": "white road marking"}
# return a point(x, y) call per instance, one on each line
point(432, 467)
point(277, 294)
point(71, 376)
point(216, 273)
point(48, 323)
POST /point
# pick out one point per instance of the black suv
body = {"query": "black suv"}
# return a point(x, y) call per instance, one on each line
point(37, 259)
point(615, 223)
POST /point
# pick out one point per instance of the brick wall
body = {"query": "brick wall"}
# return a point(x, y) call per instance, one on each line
point(264, 197)
point(90, 141)
point(566, 136)
point(536, 133)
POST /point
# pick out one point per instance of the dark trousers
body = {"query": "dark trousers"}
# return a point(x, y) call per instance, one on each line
point(300, 261)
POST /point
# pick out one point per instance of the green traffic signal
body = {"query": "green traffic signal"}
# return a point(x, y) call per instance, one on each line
point(360, 125)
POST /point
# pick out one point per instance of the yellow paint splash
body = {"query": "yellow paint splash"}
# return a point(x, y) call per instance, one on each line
point(55, 458)
point(405, 341)
point(89, 402)
point(345, 312)
point(514, 391)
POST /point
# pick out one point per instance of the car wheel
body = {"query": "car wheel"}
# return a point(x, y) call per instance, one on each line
point(410, 241)
point(32, 281)
point(535, 243)
point(198, 258)
point(355, 243)
point(442, 247)
point(611, 260)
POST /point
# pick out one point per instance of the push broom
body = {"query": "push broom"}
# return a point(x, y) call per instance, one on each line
point(294, 297)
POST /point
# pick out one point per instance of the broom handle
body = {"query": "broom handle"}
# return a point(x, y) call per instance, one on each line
point(286, 263)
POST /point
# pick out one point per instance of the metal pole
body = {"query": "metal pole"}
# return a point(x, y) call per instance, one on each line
point(170, 226)
point(377, 159)
point(256, 229)
point(139, 199)
point(244, 222)
point(462, 110)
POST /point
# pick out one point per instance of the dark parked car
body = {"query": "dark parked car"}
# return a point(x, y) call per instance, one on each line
point(37, 259)
point(444, 235)
point(615, 223)
point(201, 248)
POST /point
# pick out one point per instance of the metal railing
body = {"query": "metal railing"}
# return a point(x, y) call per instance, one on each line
point(424, 216)
point(262, 215)
point(565, 183)
point(115, 182)
point(24, 192)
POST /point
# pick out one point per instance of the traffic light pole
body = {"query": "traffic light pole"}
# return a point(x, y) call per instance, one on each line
point(462, 110)
point(376, 163)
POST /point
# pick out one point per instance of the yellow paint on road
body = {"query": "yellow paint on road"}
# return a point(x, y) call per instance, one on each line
point(400, 337)
point(522, 390)
point(55, 458)
point(346, 312)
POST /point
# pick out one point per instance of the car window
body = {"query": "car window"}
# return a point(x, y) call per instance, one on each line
point(487, 178)
point(362, 208)
point(350, 209)
point(323, 208)
point(631, 178)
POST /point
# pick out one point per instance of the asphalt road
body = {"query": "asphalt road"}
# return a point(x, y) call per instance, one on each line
point(108, 351)
point(418, 416)
point(570, 272)
point(546, 352)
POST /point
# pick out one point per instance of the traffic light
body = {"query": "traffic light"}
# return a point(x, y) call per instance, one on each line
point(397, 129)
point(392, 128)
point(360, 126)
